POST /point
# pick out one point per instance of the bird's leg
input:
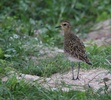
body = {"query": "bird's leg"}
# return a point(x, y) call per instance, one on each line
point(78, 71)
point(72, 66)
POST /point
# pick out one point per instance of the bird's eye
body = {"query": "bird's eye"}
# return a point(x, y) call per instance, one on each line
point(64, 24)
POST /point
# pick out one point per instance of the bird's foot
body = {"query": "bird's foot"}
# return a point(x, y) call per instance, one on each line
point(73, 78)
point(77, 78)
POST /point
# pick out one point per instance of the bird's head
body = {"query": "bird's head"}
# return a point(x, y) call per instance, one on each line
point(65, 26)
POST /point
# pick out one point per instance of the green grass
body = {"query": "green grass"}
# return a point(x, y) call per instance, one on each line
point(15, 89)
point(100, 55)
point(44, 67)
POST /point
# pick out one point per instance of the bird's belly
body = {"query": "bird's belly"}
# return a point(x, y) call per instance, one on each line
point(74, 59)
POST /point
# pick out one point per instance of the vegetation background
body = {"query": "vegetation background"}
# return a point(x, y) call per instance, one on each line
point(28, 26)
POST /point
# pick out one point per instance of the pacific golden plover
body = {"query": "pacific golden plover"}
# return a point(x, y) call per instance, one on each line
point(74, 48)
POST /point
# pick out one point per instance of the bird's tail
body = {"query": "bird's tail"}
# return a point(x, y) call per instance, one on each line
point(89, 63)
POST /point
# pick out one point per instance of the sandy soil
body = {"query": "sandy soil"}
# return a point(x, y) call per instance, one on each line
point(95, 78)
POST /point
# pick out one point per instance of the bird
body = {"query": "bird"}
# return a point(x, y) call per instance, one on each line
point(74, 48)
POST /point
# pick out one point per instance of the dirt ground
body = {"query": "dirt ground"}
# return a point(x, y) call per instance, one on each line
point(101, 33)
point(95, 79)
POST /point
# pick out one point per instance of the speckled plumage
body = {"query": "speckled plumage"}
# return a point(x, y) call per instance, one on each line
point(73, 46)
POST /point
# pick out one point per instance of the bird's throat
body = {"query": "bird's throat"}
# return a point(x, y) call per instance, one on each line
point(67, 33)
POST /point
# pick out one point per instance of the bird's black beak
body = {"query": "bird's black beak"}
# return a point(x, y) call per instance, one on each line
point(58, 27)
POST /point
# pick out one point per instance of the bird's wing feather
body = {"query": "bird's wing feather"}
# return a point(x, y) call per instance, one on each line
point(76, 48)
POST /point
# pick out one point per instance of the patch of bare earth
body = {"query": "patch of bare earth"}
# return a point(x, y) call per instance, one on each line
point(95, 78)
point(101, 33)
point(88, 79)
